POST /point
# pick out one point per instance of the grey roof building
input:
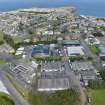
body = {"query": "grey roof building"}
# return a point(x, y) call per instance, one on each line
point(80, 65)
point(53, 84)
point(101, 48)
point(40, 50)
point(55, 76)
point(85, 71)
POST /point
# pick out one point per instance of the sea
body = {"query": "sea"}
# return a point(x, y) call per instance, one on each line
point(84, 7)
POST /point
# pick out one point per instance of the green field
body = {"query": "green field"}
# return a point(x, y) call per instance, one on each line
point(97, 97)
point(2, 62)
point(64, 97)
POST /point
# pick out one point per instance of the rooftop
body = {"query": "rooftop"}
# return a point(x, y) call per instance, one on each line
point(75, 50)
point(40, 49)
point(71, 42)
point(53, 84)
point(53, 66)
point(55, 76)
point(80, 65)
point(101, 48)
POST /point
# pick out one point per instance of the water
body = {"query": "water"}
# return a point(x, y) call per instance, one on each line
point(84, 7)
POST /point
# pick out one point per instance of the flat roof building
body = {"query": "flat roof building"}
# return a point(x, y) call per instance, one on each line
point(75, 50)
point(85, 71)
point(53, 84)
point(71, 43)
point(80, 65)
point(40, 50)
point(101, 48)
point(55, 76)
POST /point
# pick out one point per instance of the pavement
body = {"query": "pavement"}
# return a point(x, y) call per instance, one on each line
point(18, 99)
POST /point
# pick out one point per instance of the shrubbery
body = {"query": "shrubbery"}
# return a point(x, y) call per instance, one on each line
point(64, 97)
point(48, 58)
point(5, 99)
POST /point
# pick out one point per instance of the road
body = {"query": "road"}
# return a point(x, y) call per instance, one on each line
point(6, 57)
point(19, 100)
point(83, 99)
point(75, 82)
point(96, 59)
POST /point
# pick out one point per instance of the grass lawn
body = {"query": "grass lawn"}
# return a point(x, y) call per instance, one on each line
point(64, 97)
point(5, 99)
point(97, 97)
point(2, 62)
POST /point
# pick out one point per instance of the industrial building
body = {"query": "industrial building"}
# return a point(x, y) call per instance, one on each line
point(55, 76)
point(71, 43)
point(40, 50)
point(101, 48)
point(53, 84)
point(75, 50)
point(80, 65)
point(85, 71)
point(53, 66)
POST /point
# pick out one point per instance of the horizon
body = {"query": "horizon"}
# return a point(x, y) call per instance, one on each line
point(84, 7)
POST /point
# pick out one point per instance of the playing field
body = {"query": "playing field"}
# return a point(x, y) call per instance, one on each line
point(97, 97)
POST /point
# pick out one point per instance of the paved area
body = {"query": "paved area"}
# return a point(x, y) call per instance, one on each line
point(19, 100)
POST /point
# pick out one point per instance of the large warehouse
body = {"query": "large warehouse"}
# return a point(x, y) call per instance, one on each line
point(55, 76)
point(75, 50)
point(40, 50)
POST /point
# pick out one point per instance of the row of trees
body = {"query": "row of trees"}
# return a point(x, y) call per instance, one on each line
point(102, 73)
point(98, 84)
point(76, 58)
point(1, 42)
point(48, 58)
point(11, 42)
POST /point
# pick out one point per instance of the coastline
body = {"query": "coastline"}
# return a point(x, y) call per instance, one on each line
point(38, 9)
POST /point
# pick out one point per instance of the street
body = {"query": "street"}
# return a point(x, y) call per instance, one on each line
point(18, 99)
point(96, 59)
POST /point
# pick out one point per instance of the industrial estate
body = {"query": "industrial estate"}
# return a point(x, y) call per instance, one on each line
point(51, 57)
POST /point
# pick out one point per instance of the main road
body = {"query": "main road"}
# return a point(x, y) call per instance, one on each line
point(96, 59)
point(18, 99)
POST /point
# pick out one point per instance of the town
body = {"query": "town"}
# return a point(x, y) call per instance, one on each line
point(43, 51)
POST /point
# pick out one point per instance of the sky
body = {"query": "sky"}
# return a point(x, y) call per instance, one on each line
point(48, 0)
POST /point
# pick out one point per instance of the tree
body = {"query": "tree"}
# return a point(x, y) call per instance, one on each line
point(5, 99)
point(9, 40)
point(55, 24)
point(1, 42)
point(96, 84)
point(102, 73)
